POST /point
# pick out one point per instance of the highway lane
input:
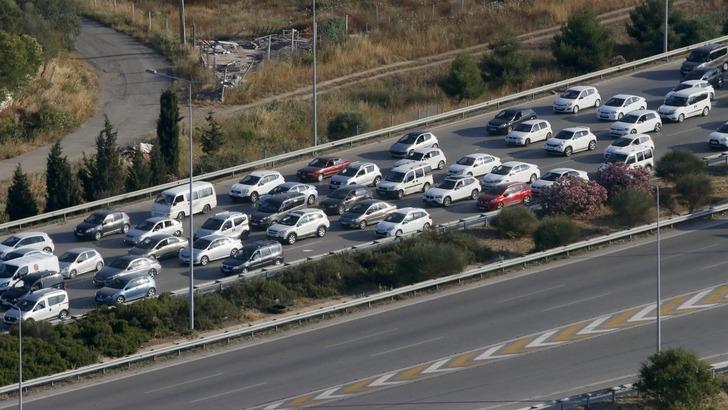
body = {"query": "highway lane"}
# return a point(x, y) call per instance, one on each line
point(456, 139)
point(427, 328)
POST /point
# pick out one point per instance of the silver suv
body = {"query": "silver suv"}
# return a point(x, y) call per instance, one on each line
point(231, 224)
point(153, 226)
point(299, 224)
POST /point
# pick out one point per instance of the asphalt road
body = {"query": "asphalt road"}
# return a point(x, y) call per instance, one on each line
point(447, 323)
point(457, 139)
point(128, 95)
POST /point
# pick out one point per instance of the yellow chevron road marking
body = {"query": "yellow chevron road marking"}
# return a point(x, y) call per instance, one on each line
point(517, 346)
point(670, 306)
point(462, 360)
point(719, 295)
point(569, 333)
point(357, 387)
point(412, 373)
point(619, 321)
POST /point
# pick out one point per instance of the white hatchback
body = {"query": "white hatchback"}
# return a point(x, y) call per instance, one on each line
point(719, 137)
point(511, 171)
point(357, 173)
point(80, 260)
point(453, 189)
point(255, 184)
point(570, 140)
point(636, 122)
point(616, 107)
point(434, 157)
point(474, 165)
point(577, 98)
point(529, 131)
point(404, 221)
point(627, 144)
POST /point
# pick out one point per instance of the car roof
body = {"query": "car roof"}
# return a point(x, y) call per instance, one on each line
point(307, 211)
point(694, 82)
point(641, 112)
point(106, 211)
point(158, 237)
point(581, 87)
point(226, 215)
point(625, 96)
point(351, 187)
point(264, 172)
point(156, 219)
point(563, 170)
point(359, 164)
point(531, 122)
point(284, 195)
point(79, 250)
point(27, 234)
point(479, 154)
point(634, 136)
point(574, 129)
point(371, 201)
point(34, 296)
point(329, 158)
point(689, 91)
point(408, 166)
point(457, 177)
point(186, 187)
point(135, 275)
point(423, 150)
point(261, 244)
point(710, 47)
point(514, 163)
point(214, 236)
point(407, 209)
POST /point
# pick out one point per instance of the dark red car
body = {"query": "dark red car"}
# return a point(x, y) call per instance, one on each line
point(322, 167)
point(497, 197)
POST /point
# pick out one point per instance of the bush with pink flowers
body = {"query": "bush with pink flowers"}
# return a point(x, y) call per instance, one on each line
point(615, 177)
point(573, 196)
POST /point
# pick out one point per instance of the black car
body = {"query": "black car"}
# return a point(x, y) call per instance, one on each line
point(714, 76)
point(339, 201)
point(102, 223)
point(505, 120)
point(274, 207)
point(253, 256)
point(30, 283)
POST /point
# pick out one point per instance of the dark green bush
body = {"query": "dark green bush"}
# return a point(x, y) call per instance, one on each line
point(347, 124)
point(677, 163)
point(555, 231)
point(259, 294)
point(332, 31)
point(430, 260)
point(632, 205)
point(695, 190)
point(516, 222)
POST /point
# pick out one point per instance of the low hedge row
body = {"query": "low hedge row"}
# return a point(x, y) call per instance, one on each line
point(117, 332)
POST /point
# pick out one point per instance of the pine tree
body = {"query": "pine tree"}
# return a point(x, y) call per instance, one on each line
point(212, 137)
point(168, 131)
point(157, 169)
point(21, 203)
point(103, 174)
point(62, 185)
point(583, 44)
point(464, 81)
point(506, 63)
point(139, 174)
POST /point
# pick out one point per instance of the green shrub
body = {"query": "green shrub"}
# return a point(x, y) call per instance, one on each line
point(259, 294)
point(555, 231)
point(695, 190)
point(332, 31)
point(464, 81)
point(678, 163)
point(46, 119)
point(212, 309)
point(11, 130)
point(632, 205)
point(516, 222)
point(583, 43)
point(506, 63)
point(347, 124)
point(428, 261)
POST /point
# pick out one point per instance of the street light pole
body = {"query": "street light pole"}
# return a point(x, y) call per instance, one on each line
point(20, 357)
point(667, 13)
point(659, 295)
point(315, 112)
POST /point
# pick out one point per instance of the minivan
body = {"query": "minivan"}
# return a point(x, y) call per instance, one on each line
point(253, 256)
point(639, 157)
point(174, 202)
point(684, 104)
point(406, 179)
point(14, 270)
point(41, 305)
point(709, 55)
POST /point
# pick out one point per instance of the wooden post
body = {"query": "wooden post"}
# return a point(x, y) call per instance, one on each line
point(346, 25)
point(132, 13)
point(269, 40)
point(150, 22)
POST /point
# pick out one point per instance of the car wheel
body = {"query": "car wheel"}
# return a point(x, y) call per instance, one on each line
point(725, 66)
point(321, 231)
point(120, 300)
point(658, 127)
point(320, 177)
point(99, 266)
point(151, 293)
point(73, 273)
point(620, 115)
point(441, 165)
point(47, 249)
point(278, 261)
point(363, 225)
point(527, 142)
point(254, 197)
point(125, 228)
point(532, 179)
point(592, 145)
point(153, 272)
point(568, 151)
point(400, 194)
point(204, 260)
point(376, 181)
point(447, 201)
point(153, 257)
point(633, 131)
point(63, 314)
point(311, 199)
point(681, 118)
point(426, 227)
point(206, 209)
point(474, 194)
point(180, 216)
point(548, 136)
point(233, 251)
point(398, 233)
point(575, 109)
point(97, 236)
point(706, 111)
point(597, 103)
point(526, 200)
point(291, 239)
point(425, 187)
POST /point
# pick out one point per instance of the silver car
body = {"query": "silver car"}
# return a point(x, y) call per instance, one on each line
point(210, 248)
point(159, 246)
point(77, 261)
point(126, 265)
point(309, 190)
point(153, 226)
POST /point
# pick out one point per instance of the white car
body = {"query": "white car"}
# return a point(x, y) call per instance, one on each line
point(33, 240)
point(453, 189)
point(310, 191)
point(616, 107)
point(719, 137)
point(693, 85)
point(299, 224)
point(628, 143)
point(528, 132)
point(255, 184)
point(684, 104)
point(571, 140)
point(577, 98)
point(434, 157)
point(210, 248)
point(153, 226)
point(550, 177)
point(474, 165)
point(637, 122)
point(80, 260)
point(511, 171)
point(412, 141)
point(357, 173)
point(231, 224)
point(404, 221)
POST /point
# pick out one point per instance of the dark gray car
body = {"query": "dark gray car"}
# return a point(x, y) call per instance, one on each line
point(126, 265)
point(505, 120)
point(159, 246)
point(274, 207)
point(339, 201)
point(102, 223)
point(366, 212)
point(707, 56)
point(714, 76)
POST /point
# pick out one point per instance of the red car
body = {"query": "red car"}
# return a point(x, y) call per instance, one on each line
point(322, 167)
point(504, 195)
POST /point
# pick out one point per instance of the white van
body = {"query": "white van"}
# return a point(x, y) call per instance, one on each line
point(14, 270)
point(406, 179)
point(640, 156)
point(686, 103)
point(43, 304)
point(174, 202)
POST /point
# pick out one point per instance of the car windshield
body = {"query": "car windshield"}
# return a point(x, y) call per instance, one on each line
point(213, 224)
point(466, 161)
point(551, 176)
point(245, 254)
point(416, 156)
point(622, 142)
point(7, 271)
point(570, 94)
point(617, 158)
point(26, 305)
point(120, 263)
point(280, 189)
point(68, 257)
point(349, 172)
point(395, 217)
point(165, 199)
point(289, 220)
point(501, 170)
point(94, 219)
point(146, 226)
point(11, 241)
point(117, 283)
point(698, 56)
point(630, 118)
point(318, 163)
point(270, 205)
point(359, 208)
point(564, 135)
point(339, 194)
point(676, 101)
point(523, 128)
point(723, 128)
point(395, 176)
point(447, 184)
point(146, 244)
point(201, 243)
point(495, 190)
point(249, 180)
point(408, 138)
point(682, 86)
point(614, 102)
point(505, 114)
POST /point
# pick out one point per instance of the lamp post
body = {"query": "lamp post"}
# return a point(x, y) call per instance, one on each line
point(315, 112)
point(20, 356)
point(667, 14)
point(192, 227)
point(659, 295)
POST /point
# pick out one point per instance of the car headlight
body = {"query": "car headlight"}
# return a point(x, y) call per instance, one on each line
point(438, 196)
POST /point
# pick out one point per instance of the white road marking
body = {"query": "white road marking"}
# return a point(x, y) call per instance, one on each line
point(541, 341)
point(405, 346)
point(691, 303)
point(574, 302)
point(228, 392)
point(171, 386)
point(715, 265)
point(525, 295)
point(370, 335)
point(682, 253)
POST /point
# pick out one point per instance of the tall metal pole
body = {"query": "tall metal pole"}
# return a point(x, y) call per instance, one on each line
point(667, 14)
point(315, 112)
point(20, 358)
point(192, 226)
point(182, 34)
point(659, 295)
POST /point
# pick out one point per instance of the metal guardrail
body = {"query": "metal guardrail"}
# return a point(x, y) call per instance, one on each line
point(364, 301)
point(458, 113)
point(717, 159)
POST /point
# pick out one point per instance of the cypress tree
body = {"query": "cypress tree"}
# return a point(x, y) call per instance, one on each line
point(21, 203)
point(168, 131)
point(212, 137)
point(62, 186)
point(157, 171)
point(138, 175)
point(103, 174)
